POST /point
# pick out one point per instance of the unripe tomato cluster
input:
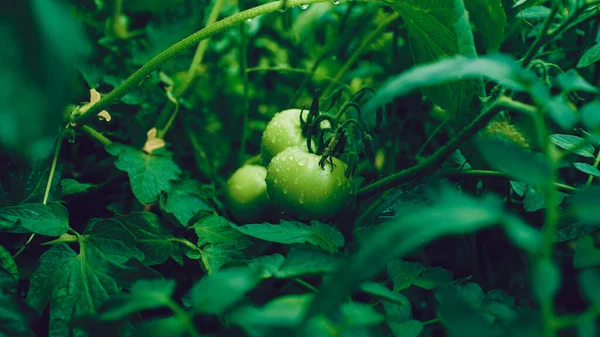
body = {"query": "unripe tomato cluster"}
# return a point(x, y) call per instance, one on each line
point(292, 182)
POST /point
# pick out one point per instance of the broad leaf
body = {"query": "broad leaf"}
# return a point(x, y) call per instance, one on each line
point(74, 284)
point(217, 292)
point(585, 204)
point(573, 144)
point(572, 81)
point(51, 219)
point(590, 57)
point(72, 186)
point(287, 232)
point(185, 200)
point(514, 161)
point(586, 254)
point(403, 273)
point(16, 317)
point(587, 169)
point(354, 314)
point(149, 174)
point(214, 256)
point(571, 229)
point(8, 265)
point(149, 234)
point(217, 229)
point(459, 310)
point(381, 291)
point(490, 19)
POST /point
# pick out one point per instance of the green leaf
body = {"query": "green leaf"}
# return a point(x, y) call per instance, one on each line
point(587, 169)
point(573, 144)
point(217, 292)
point(590, 115)
point(500, 68)
point(546, 280)
point(535, 199)
point(269, 264)
point(144, 295)
point(300, 262)
point(433, 277)
point(16, 317)
point(571, 81)
point(522, 235)
point(459, 310)
point(514, 161)
point(357, 314)
point(149, 174)
point(185, 200)
point(454, 213)
point(586, 254)
point(571, 229)
point(590, 57)
point(410, 328)
point(72, 186)
point(159, 327)
point(561, 112)
point(150, 236)
point(589, 279)
point(51, 219)
point(288, 232)
point(490, 19)
point(214, 256)
point(535, 12)
point(431, 37)
point(584, 204)
point(7, 263)
point(217, 229)
point(74, 284)
point(115, 242)
point(381, 291)
point(284, 311)
point(587, 328)
point(403, 273)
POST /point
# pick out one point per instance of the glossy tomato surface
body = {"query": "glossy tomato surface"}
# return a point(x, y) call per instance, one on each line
point(299, 186)
point(247, 193)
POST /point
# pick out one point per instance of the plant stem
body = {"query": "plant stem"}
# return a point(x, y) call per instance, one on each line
point(245, 104)
point(497, 174)
point(439, 156)
point(48, 186)
point(96, 135)
point(306, 284)
point(181, 46)
point(591, 177)
point(365, 43)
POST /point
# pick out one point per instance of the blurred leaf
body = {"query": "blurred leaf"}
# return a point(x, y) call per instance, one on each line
point(573, 144)
point(354, 313)
point(304, 261)
point(585, 203)
point(51, 219)
point(410, 328)
point(217, 292)
point(586, 254)
point(500, 68)
point(150, 5)
point(572, 81)
point(381, 291)
point(589, 279)
point(149, 175)
point(546, 280)
point(490, 19)
point(561, 112)
point(144, 295)
point(284, 311)
point(453, 214)
point(590, 57)
point(587, 169)
point(590, 115)
point(318, 233)
point(587, 328)
point(269, 264)
point(514, 161)
point(535, 12)
point(72, 186)
point(185, 200)
point(523, 235)
point(16, 317)
point(7, 264)
point(24, 182)
point(159, 327)
point(40, 42)
point(149, 235)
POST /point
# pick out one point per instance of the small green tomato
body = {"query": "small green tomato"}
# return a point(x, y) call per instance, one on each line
point(299, 186)
point(283, 131)
point(246, 193)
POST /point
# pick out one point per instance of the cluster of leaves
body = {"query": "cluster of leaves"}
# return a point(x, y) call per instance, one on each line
point(122, 230)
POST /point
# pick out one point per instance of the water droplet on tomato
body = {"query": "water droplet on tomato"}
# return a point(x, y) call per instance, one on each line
point(301, 198)
point(305, 6)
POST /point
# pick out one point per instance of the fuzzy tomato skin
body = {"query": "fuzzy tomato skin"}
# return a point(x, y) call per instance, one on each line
point(300, 187)
point(283, 131)
point(246, 193)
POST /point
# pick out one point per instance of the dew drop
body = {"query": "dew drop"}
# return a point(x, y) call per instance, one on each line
point(305, 6)
point(301, 199)
point(336, 2)
point(302, 162)
point(285, 190)
point(339, 181)
point(281, 10)
point(249, 20)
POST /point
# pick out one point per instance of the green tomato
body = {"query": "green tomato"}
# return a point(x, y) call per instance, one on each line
point(246, 193)
point(299, 186)
point(283, 131)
